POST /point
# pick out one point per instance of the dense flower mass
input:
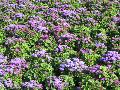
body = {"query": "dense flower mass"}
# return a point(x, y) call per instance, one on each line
point(59, 45)
point(32, 84)
point(73, 64)
point(56, 82)
point(111, 56)
point(95, 69)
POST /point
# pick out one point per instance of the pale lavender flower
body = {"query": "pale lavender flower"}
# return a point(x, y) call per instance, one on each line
point(8, 83)
point(19, 62)
point(3, 58)
point(68, 37)
point(32, 84)
point(100, 45)
point(61, 48)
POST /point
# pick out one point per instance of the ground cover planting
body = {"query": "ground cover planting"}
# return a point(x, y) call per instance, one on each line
point(59, 45)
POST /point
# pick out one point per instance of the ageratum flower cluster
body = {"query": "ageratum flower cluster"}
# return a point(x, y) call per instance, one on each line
point(56, 82)
point(110, 57)
point(32, 85)
point(74, 64)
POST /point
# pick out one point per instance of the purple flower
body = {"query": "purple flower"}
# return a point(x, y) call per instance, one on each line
point(2, 72)
point(61, 48)
point(11, 27)
point(103, 79)
point(39, 53)
point(95, 69)
point(85, 51)
point(73, 64)
point(56, 82)
point(32, 84)
point(19, 15)
point(96, 12)
point(69, 13)
point(100, 35)
point(19, 62)
point(8, 83)
point(57, 28)
point(3, 58)
point(68, 37)
point(116, 19)
point(45, 37)
point(21, 1)
point(117, 82)
point(110, 56)
point(83, 10)
point(100, 45)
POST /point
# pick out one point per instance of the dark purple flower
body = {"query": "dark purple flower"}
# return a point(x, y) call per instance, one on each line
point(19, 15)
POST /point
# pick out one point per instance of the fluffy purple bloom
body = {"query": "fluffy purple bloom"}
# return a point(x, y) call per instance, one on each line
point(2, 72)
point(32, 84)
point(3, 58)
point(117, 82)
point(85, 51)
point(86, 40)
point(13, 40)
point(95, 69)
point(116, 19)
point(19, 15)
point(81, 10)
point(40, 53)
point(11, 27)
point(21, 1)
point(61, 48)
point(69, 13)
point(68, 37)
point(12, 5)
point(100, 35)
point(14, 28)
point(41, 0)
point(40, 29)
point(56, 82)
point(110, 56)
point(100, 45)
point(10, 69)
point(19, 62)
point(73, 64)
point(45, 37)
point(8, 83)
point(57, 28)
